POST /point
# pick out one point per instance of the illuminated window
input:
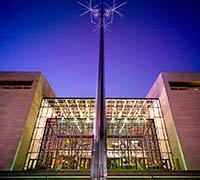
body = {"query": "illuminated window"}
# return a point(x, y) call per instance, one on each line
point(136, 136)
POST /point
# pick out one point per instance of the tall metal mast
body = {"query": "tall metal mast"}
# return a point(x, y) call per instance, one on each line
point(102, 16)
point(99, 151)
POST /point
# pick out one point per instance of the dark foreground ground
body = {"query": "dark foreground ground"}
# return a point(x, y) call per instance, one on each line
point(83, 175)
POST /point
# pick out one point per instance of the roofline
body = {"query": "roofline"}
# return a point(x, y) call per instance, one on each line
point(94, 98)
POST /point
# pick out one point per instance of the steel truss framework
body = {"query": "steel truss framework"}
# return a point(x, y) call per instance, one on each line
point(136, 135)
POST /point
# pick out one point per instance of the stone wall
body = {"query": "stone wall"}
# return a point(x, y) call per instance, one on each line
point(181, 110)
point(19, 107)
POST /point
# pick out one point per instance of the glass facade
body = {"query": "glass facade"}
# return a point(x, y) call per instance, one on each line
point(136, 135)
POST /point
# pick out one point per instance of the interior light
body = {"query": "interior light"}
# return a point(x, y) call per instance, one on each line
point(63, 119)
point(144, 119)
point(75, 120)
point(120, 114)
point(125, 120)
point(88, 120)
point(113, 120)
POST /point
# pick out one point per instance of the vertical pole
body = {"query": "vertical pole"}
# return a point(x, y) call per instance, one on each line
point(99, 148)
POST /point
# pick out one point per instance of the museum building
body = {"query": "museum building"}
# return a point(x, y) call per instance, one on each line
point(41, 132)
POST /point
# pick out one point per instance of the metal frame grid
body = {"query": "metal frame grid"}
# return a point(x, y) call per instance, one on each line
point(136, 135)
point(66, 144)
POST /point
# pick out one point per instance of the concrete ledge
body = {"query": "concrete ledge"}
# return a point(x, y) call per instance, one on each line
point(36, 175)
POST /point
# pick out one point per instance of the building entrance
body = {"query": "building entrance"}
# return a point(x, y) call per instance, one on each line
point(63, 135)
point(63, 147)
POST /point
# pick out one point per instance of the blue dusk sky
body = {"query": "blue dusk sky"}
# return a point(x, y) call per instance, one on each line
point(50, 36)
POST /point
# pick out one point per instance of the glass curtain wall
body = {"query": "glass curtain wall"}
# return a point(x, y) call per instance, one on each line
point(136, 135)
